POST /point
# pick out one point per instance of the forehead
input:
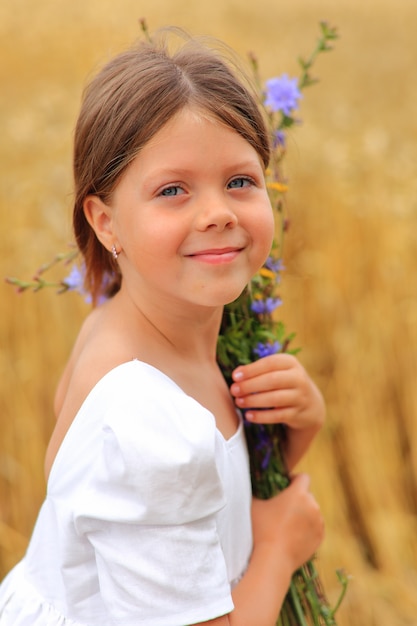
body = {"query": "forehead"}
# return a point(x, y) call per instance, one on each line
point(196, 122)
point(188, 116)
point(195, 129)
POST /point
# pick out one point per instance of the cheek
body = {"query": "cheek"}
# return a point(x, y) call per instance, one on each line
point(155, 248)
point(264, 232)
point(150, 236)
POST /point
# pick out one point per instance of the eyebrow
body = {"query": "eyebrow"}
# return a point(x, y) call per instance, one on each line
point(175, 172)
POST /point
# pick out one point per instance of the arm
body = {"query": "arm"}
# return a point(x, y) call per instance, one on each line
point(277, 389)
point(287, 530)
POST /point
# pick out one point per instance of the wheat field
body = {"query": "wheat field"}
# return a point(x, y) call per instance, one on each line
point(349, 288)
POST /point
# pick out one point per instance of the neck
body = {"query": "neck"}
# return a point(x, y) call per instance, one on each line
point(190, 333)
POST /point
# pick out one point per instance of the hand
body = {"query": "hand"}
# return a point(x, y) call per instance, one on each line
point(289, 524)
point(277, 389)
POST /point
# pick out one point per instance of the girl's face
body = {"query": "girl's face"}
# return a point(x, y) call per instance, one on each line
point(191, 215)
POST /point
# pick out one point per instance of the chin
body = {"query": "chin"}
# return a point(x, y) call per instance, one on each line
point(223, 295)
point(232, 296)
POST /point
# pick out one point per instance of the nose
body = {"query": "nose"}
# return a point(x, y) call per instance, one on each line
point(215, 214)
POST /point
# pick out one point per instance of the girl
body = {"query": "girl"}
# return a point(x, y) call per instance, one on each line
point(148, 518)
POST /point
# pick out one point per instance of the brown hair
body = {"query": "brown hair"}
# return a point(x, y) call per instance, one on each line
point(126, 104)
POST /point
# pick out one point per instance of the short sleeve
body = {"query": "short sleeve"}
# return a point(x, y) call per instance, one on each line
point(150, 502)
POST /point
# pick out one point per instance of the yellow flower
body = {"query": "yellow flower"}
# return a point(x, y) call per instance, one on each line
point(277, 187)
point(266, 273)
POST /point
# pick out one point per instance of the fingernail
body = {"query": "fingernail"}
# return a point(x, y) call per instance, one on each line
point(237, 375)
point(249, 415)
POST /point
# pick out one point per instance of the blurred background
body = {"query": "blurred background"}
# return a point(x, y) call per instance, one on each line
point(349, 288)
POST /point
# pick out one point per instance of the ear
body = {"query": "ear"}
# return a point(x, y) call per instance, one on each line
point(99, 216)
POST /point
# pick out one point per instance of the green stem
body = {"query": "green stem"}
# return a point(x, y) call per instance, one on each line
point(297, 604)
point(328, 34)
point(344, 581)
point(62, 257)
point(37, 284)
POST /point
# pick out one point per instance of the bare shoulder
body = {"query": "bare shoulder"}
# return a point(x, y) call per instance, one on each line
point(97, 350)
point(84, 337)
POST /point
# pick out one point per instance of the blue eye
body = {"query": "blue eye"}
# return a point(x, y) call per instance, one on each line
point(240, 182)
point(173, 190)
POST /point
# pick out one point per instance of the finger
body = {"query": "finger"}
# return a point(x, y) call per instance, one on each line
point(283, 415)
point(269, 381)
point(268, 363)
point(269, 399)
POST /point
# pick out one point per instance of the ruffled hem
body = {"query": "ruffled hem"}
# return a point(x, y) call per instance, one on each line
point(21, 605)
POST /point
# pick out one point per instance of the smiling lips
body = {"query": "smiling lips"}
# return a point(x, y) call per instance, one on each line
point(216, 256)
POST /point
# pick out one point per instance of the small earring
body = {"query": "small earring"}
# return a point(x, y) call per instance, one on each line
point(114, 252)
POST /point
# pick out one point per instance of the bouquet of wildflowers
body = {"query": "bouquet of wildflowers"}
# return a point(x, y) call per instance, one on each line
point(250, 330)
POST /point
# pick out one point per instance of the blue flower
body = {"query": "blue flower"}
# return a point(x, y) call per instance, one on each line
point(265, 306)
point(264, 446)
point(257, 306)
point(265, 349)
point(282, 94)
point(275, 265)
point(75, 280)
point(278, 139)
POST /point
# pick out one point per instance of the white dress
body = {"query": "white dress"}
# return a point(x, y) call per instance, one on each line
point(146, 521)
